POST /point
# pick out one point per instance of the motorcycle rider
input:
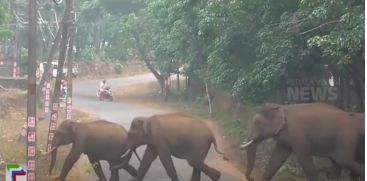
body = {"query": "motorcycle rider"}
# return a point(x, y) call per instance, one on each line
point(102, 86)
point(63, 89)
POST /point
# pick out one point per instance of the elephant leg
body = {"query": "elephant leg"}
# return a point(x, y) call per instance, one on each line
point(150, 155)
point(197, 162)
point(306, 162)
point(351, 165)
point(165, 157)
point(73, 156)
point(130, 169)
point(346, 157)
point(196, 174)
point(334, 171)
point(277, 158)
point(97, 168)
point(209, 171)
point(359, 156)
point(114, 172)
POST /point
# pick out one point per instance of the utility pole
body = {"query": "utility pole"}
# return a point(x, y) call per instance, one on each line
point(31, 95)
point(56, 96)
point(17, 49)
point(55, 44)
point(72, 31)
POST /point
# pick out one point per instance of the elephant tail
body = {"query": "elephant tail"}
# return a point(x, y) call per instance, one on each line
point(218, 151)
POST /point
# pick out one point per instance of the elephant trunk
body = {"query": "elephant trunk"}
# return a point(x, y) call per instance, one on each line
point(53, 160)
point(125, 158)
point(251, 156)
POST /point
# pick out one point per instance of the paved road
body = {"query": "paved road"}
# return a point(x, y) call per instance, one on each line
point(123, 112)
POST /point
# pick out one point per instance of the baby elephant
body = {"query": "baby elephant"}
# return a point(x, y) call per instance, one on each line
point(99, 140)
point(172, 134)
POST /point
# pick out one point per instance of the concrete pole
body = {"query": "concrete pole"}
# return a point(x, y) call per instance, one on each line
point(56, 96)
point(31, 95)
point(72, 30)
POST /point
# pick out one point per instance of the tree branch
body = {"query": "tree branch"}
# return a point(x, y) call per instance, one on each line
point(320, 26)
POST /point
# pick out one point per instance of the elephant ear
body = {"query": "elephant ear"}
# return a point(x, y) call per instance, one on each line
point(73, 126)
point(141, 123)
point(147, 127)
point(276, 114)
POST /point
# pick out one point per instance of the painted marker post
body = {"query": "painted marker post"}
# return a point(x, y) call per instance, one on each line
point(31, 148)
point(14, 69)
point(56, 94)
point(31, 94)
point(72, 30)
point(47, 97)
point(69, 108)
point(53, 124)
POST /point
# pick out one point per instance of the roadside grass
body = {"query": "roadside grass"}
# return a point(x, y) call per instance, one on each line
point(235, 129)
point(13, 111)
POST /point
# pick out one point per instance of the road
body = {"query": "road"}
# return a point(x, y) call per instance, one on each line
point(123, 112)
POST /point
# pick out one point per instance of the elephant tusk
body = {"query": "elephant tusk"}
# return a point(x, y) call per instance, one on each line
point(126, 153)
point(245, 145)
point(49, 152)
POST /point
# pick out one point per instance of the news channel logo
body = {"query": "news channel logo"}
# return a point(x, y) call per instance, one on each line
point(16, 172)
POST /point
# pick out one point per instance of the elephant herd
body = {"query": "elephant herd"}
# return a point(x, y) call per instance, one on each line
point(306, 130)
point(165, 135)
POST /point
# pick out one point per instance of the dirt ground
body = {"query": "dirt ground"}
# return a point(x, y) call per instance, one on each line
point(13, 116)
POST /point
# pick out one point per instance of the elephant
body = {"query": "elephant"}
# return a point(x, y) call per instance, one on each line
point(99, 140)
point(334, 172)
point(308, 129)
point(173, 134)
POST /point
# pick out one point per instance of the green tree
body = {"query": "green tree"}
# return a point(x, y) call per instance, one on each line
point(249, 48)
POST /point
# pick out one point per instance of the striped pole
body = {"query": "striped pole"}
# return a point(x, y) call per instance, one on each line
point(31, 93)
point(47, 97)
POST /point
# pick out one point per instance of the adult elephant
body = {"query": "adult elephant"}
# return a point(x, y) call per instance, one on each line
point(99, 140)
point(313, 129)
point(169, 135)
point(335, 171)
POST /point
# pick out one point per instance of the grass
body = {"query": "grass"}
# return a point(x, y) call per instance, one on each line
point(13, 111)
point(235, 129)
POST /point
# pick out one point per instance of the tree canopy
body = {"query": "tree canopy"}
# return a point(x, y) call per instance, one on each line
point(252, 47)
point(247, 47)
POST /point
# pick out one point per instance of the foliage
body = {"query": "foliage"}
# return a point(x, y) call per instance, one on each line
point(118, 68)
point(24, 61)
point(88, 53)
point(5, 18)
point(252, 48)
point(99, 29)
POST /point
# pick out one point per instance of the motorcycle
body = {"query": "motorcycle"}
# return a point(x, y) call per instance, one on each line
point(105, 94)
point(63, 91)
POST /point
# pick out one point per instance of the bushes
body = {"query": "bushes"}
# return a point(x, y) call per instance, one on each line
point(118, 68)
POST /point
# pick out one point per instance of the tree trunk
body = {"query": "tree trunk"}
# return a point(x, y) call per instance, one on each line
point(357, 72)
point(31, 93)
point(56, 94)
point(178, 79)
point(209, 99)
point(46, 73)
point(70, 59)
point(146, 60)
